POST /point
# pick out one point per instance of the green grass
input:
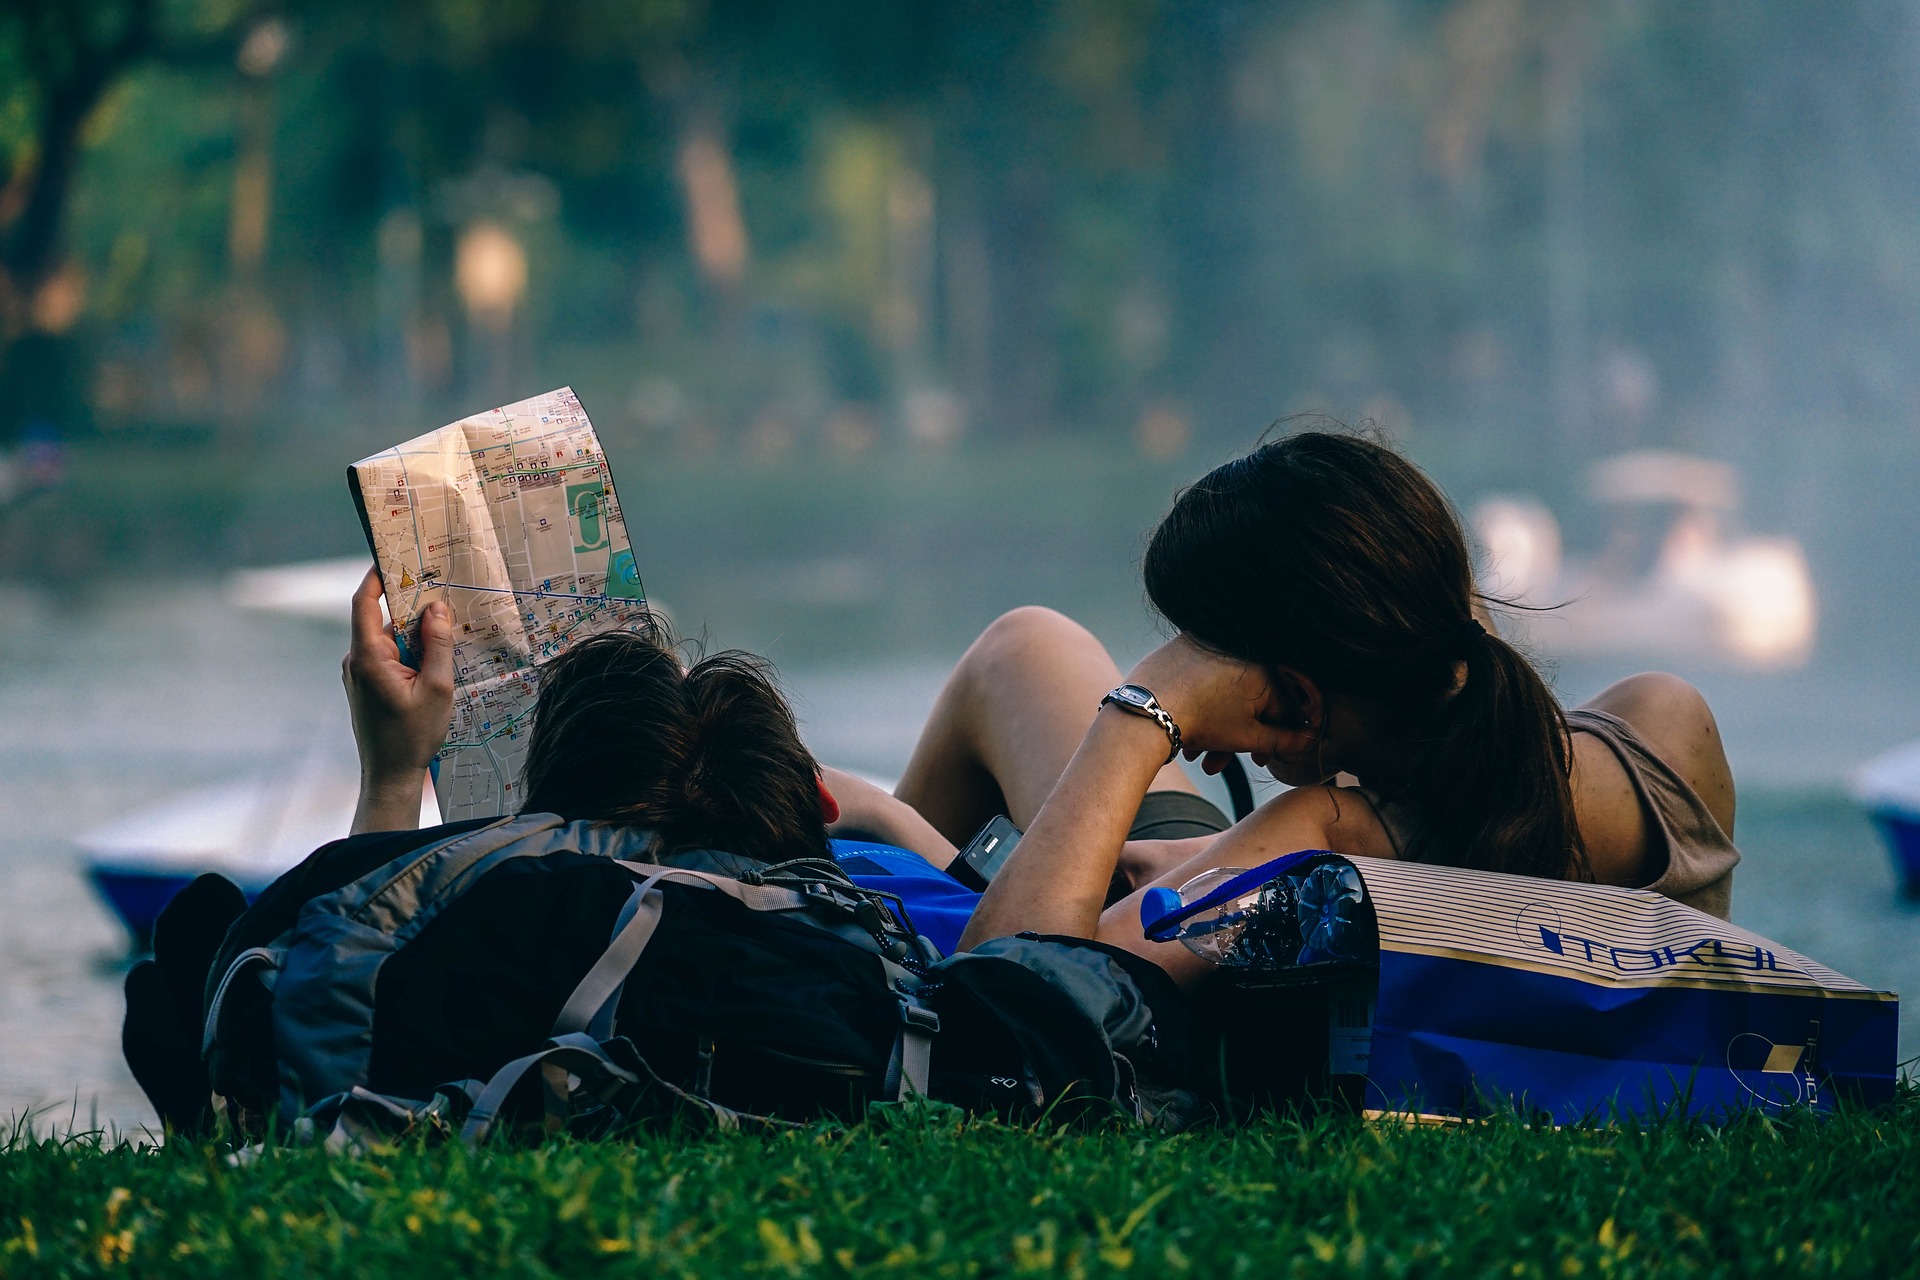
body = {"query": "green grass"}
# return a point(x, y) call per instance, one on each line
point(922, 1192)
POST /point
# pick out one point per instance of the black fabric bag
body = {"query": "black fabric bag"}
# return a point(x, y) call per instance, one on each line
point(490, 970)
point(1093, 1031)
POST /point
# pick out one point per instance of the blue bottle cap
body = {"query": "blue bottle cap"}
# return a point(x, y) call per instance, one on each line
point(1156, 905)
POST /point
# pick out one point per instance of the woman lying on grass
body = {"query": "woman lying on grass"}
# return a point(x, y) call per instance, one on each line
point(1328, 624)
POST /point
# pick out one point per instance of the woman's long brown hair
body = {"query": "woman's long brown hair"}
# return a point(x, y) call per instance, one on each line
point(1337, 558)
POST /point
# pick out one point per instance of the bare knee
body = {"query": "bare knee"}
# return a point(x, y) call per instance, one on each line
point(1033, 637)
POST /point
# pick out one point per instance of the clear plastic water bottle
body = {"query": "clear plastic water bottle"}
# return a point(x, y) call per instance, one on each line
point(1252, 931)
point(1295, 918)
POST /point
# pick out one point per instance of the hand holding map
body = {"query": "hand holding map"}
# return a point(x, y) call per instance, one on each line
point(510, 518)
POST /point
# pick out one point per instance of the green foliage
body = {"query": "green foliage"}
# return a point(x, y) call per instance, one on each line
point(154, 217)
point(923, 1192)
point(1240, 211)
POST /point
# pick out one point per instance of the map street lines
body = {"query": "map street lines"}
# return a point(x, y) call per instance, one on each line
point(510, 518)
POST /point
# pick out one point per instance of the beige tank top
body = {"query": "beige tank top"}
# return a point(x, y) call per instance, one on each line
point(1690, 858)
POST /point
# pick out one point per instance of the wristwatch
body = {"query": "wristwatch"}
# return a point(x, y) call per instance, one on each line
point(1140, 701)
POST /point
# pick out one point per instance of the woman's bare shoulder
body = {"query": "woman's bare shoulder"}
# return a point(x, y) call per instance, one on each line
point(1331, 817)
point(1673, 719)
point(1613, 827)
point(1670, 715)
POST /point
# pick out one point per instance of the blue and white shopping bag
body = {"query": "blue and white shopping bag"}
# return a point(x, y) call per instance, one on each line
point(1563, 1001)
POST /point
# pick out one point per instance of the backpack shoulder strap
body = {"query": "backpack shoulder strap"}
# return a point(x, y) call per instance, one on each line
point(401, 897)
point(574, 1068)
point(590, 1007)
point(910, 1069)
point(755, 897)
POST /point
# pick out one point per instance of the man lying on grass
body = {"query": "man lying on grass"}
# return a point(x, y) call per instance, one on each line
point(698, 765)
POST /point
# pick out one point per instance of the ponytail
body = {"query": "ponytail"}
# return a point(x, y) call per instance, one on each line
point(1492, 783)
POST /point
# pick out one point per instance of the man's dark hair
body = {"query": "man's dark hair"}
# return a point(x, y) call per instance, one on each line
point(706, 755)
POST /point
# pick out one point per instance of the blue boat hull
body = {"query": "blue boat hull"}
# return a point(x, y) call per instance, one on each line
point(138, 897)
point(1902, 833)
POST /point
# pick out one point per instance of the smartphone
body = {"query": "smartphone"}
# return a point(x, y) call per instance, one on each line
point(976, 865)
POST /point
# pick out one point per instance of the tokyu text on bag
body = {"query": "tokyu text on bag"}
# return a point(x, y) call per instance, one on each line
point(547, 974)
point(1446, 992)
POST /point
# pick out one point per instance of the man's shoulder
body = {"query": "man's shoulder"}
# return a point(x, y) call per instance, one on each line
point(333, 866)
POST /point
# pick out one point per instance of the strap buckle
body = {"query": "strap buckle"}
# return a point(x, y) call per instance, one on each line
point(918, 1016)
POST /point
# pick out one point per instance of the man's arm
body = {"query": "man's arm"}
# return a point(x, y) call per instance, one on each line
point(866, 809)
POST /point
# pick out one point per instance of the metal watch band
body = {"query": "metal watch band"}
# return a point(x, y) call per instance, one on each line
point(1151, 710)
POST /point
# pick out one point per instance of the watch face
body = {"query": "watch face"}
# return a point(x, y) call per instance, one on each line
point(1133, 695)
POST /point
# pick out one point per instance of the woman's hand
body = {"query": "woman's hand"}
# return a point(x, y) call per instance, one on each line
point(400, 715)
point(1222, 705)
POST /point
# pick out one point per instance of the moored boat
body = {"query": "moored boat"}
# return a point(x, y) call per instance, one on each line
point(1675, 578)
point(249, 830)
point(1889, 787)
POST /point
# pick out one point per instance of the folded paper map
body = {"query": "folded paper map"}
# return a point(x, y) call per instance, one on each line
point(509, 517)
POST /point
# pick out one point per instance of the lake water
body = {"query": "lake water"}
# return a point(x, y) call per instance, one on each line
point(135, 692)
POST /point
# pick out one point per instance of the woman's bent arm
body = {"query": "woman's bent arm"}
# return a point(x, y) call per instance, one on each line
point(1304, 818)
point(1057, 878)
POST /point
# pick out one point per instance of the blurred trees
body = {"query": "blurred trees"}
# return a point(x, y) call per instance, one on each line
point(1534, 230)
point(70, 54)
point(58, 60)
